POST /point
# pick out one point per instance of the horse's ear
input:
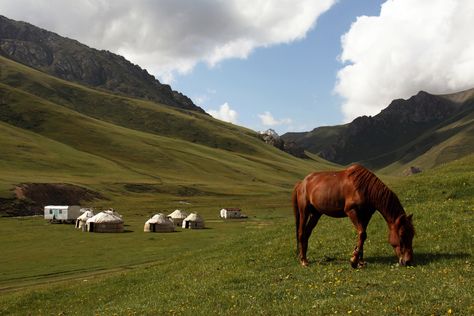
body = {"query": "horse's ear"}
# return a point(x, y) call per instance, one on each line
point(410, 217)
point(401, 219)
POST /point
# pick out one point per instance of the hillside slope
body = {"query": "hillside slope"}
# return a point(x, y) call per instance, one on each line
point(402, 134)
point(68, 59)
point(54, 131)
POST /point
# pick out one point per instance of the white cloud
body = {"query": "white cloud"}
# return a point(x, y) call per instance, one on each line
point(201, 99)
point(204, 98)
point(267, 119)
point(411, 46)
point(225, 113)
point(167, 36)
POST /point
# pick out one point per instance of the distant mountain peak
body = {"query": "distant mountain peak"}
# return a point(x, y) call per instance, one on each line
point(406, 129)
point(73, 61)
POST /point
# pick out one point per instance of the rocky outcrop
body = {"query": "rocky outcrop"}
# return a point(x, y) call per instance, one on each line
point(70, 60)
point(271, 137)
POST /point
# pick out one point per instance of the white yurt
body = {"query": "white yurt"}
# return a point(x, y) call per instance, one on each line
point(81, 220)
point(159, 223)
point(193, 221)
point(104, 222)
point(177, 217)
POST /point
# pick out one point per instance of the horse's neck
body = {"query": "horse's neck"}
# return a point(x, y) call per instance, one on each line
point(391, 213)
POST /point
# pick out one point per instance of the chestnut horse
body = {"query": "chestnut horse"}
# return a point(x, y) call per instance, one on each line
point(356, 193)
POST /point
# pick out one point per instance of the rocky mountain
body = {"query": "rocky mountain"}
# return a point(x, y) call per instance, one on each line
point(70, 60)
point(271, 137)
point(403, 131)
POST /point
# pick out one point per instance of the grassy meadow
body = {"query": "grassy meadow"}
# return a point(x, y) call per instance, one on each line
point(249, 266)
point(146, 158)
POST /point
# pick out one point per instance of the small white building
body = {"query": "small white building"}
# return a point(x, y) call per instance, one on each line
point(178, 216)
point(193, 221)
point(62, 213)
point(81, 220)
point(231, 213)
point(159, 223)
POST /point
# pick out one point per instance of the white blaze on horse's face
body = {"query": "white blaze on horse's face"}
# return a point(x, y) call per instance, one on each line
point(404, 254)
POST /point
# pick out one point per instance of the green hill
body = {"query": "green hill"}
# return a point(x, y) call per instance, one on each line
point(56, 131)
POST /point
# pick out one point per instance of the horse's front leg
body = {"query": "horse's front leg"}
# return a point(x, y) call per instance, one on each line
point(360, 223)
point(357, 259)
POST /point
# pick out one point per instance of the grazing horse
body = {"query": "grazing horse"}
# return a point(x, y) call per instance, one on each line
point(356, 193)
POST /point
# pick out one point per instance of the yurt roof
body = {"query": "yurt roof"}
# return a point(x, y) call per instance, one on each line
point(160, 219)
point(86, 215)
point(178, 214)
point(194, 217)
point(113, 212)
point(105, 217)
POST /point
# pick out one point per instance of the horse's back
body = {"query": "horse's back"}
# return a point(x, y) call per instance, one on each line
point(329, 191)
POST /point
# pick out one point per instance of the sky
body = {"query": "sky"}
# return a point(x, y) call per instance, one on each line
point(289, 65)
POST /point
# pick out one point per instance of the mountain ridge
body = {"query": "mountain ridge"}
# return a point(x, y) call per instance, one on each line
point(73, 61)
point(366, 139)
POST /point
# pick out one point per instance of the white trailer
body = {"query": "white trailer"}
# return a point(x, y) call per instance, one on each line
point(62, 213)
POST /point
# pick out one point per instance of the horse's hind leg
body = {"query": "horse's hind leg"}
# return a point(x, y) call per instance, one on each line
point(308, 228)
point(302, 245)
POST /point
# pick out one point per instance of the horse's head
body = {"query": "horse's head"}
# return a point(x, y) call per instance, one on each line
point(401, 238)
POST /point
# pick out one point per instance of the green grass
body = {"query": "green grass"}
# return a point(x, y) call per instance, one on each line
point(249, 267)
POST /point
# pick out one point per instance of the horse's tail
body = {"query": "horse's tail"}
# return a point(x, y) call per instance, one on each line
point(296, 211)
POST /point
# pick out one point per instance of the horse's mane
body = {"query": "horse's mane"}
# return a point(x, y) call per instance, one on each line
point(376, 192)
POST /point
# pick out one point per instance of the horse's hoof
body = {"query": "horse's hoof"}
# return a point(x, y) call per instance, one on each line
point(304, 263)
point(354, 263)
point(362, 264)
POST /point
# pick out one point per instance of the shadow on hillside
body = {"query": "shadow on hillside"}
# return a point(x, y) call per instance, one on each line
point(421, 259)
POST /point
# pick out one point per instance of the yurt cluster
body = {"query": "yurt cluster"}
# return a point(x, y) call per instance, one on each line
point(110, 221)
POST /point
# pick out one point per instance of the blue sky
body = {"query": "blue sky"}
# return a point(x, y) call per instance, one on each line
point(293, 81)
point(290, 65)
